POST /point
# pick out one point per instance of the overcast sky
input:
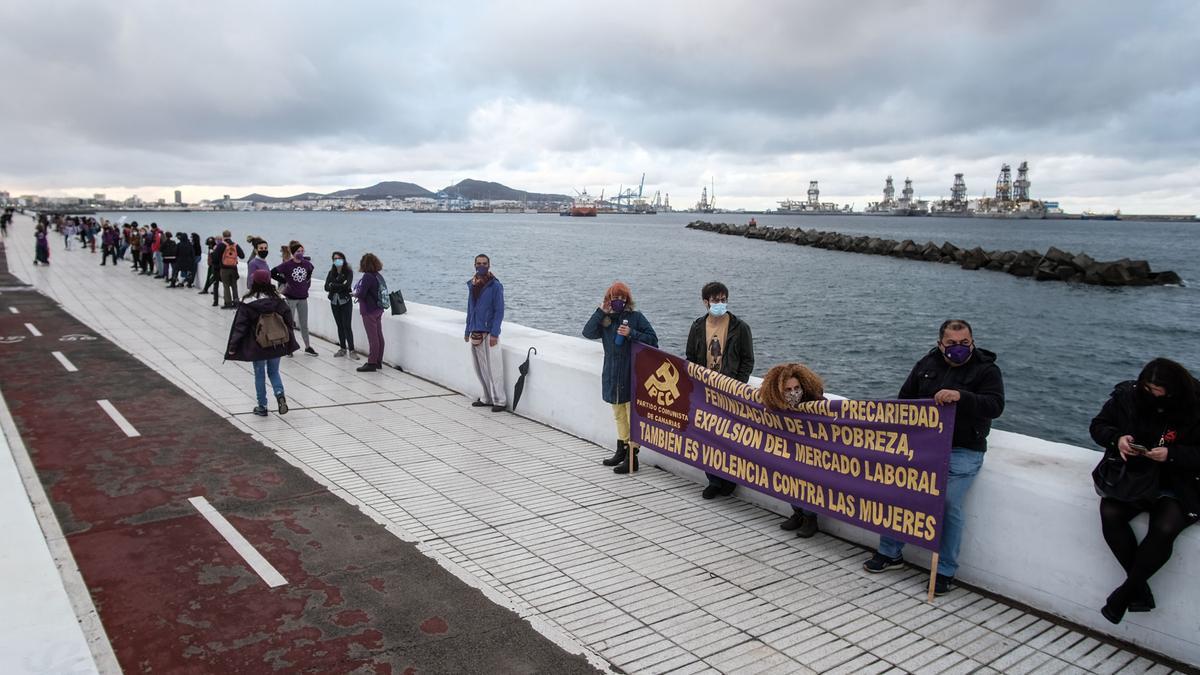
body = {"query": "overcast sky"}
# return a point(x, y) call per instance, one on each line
point(1102, 98)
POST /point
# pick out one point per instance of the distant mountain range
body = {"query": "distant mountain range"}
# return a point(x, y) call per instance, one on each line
point(391, 189)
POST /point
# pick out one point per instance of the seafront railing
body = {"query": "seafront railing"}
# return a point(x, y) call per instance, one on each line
point(1033, 528)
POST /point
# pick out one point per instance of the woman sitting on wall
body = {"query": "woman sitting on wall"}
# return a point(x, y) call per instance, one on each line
point(1153, 424)
point(785, 387)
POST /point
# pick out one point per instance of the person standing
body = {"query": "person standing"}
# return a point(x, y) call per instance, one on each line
point(371, 293)
point(213, 274)
point(135, 246)
point(785, 387)
point(1153, 423)
point(226, 254)
point(485, 313)
point(339, 285)
point(168, 249)
point(722, 342)
point(185, 262)
point(256, 308)
point(258, 258)
point(954, 371)
point(108, 244)
point(295, 274)
point(41, 247)
point(156, 249)
point(198, 254)
point(618, 325)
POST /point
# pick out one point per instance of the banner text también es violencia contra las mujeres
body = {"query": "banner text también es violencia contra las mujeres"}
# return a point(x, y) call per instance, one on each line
point(877, 464)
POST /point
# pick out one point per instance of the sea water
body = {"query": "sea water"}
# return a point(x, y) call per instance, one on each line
point(859, 321)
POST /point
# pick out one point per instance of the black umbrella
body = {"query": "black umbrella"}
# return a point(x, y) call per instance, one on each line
point(524, 369)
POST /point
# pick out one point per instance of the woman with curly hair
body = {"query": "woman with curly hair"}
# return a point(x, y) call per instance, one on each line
point(785, 387)
point(618, 325)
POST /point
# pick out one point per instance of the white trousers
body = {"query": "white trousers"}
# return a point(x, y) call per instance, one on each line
point(489, 368)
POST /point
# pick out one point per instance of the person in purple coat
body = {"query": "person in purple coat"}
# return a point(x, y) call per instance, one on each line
point(370, 292)
point(108, 244)
point(258, 258)
point(295, 274)
point(243, 346)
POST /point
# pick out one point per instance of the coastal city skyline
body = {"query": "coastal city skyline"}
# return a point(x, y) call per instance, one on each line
point(760, 100)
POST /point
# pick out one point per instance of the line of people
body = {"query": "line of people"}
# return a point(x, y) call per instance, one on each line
point(1149, 426)
point(1152, 424)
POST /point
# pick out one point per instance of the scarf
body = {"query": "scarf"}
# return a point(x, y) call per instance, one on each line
point(479, 283)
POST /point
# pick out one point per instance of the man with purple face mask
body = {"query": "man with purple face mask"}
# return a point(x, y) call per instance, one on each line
point(955, 371)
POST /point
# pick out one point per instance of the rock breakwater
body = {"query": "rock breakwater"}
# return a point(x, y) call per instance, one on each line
point(1052, 265)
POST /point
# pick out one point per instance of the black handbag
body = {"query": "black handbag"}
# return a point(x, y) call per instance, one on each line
point(1129, 480)
point(398, 306)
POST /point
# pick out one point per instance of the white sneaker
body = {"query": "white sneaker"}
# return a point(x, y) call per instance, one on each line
point(353, 356)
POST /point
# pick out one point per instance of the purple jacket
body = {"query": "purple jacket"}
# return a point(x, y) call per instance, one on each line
point(256, 263)
point(367, 292)
point(241, 334)
point(109, 238)
point(297, 276)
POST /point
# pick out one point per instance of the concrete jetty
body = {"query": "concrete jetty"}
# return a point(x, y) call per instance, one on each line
point(584, 569)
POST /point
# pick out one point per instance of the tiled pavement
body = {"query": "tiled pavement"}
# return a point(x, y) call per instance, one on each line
point(638, 568)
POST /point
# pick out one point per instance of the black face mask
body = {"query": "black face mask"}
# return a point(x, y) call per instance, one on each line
point(262, 254)
point(1148, 402)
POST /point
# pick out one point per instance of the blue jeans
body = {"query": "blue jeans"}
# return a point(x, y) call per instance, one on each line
point(964, 466)
point(269, 368)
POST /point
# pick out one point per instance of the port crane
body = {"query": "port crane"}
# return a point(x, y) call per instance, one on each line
point(627, 199)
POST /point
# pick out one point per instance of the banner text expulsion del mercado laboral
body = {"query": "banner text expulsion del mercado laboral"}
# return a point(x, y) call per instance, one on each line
point(878, 464)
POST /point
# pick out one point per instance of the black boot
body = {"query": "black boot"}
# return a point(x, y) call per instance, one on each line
point(1118, 602)
point(793, 522)
point(619, 455)
point(1143, 600)
point(624, 467)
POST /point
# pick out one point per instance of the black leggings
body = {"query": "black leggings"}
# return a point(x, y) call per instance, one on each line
point(1141, 561)
point(342, 315)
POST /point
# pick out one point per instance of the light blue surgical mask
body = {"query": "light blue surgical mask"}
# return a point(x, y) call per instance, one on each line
point(338, 262)
point(718, 308)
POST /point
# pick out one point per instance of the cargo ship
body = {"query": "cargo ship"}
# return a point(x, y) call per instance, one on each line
point(583, 206)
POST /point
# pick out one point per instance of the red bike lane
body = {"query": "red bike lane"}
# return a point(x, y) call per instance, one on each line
point(173, 594)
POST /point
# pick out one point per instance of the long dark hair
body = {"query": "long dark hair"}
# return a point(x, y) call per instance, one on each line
point(336, 271)
point(266, 288)
point(1181, 386)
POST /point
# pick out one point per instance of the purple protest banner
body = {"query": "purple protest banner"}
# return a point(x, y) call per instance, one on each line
point(878, 464)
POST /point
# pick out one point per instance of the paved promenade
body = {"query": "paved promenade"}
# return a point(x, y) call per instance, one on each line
point(638, 570)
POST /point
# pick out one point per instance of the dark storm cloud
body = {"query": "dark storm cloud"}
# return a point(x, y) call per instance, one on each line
point(153, 93)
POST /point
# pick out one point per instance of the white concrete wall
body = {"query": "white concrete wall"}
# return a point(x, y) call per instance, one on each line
point(1033, 530)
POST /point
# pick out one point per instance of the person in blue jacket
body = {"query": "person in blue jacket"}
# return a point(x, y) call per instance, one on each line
point(485, 313)
point(618, 325)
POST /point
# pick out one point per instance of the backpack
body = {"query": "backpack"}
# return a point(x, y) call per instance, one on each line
point(271, 331)
point(229, 257)
point(383, 298)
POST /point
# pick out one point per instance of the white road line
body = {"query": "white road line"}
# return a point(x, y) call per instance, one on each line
point(118, 418)
point(65, 363)
point(253, 558)
point(33, 329)
point(14, 310)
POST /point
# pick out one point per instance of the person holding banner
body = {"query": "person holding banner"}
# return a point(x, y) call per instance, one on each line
point(722, 342)
point(785, 387)
point(618, 325)
point(1152, 424)
point(954, 371)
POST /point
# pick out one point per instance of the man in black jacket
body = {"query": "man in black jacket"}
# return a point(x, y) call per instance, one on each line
point(720, 341)
point(955, 371)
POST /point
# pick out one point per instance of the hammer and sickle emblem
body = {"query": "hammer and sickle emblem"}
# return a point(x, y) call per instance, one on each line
point(663, 386)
